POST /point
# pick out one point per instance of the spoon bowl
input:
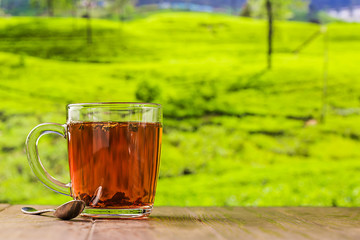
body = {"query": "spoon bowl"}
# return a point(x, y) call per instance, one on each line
point(70, 209)
point(65, 211)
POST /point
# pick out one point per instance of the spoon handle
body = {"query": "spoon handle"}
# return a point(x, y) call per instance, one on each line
point(33, 211)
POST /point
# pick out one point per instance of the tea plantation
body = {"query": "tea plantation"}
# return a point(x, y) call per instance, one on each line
point(235, 133)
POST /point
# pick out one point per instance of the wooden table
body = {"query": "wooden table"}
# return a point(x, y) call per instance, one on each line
point(191, 223)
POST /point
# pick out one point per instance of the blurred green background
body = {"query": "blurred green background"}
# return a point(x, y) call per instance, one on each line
point(235, 132)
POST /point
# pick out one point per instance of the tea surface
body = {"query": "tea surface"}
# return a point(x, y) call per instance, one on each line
point(114, 164)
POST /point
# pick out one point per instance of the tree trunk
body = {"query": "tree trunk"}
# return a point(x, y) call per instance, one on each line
point(188, 2)
point(119, 10)
point(74, 8)
point(270, 32)
point(325, 76)
point(50, 8)
point(233, 7)
point(351, 8)
point(88, 23)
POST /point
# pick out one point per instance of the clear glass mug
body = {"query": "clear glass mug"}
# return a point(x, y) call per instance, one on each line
point(114, 157)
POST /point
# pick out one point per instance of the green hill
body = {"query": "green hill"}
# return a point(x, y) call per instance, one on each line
point(235, 133)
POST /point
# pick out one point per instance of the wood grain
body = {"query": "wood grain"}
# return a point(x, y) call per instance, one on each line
point(3, 206)
point(16, 225)
point(296, 223)
point(282, 223)
point(164, 223)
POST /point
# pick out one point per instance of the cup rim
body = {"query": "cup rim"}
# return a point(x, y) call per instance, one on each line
point(103, 104)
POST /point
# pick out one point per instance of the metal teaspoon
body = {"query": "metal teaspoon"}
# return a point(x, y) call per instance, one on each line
point(66, 211)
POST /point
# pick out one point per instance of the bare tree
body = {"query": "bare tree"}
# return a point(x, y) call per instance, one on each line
point(118, 6)
point(88, 6)
point(325, 75)
point(233, 7)
point(48, 4)
point(1, 7)
point(74, 8)
point(272, 9)
point(270, 32)
point(50, 7)
point(188, 3)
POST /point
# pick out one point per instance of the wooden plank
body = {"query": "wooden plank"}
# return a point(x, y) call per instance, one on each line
point(278, 223)
point(16, 225)
point(164, 223)
point(296, 223)
point(231, 223)
point(330, 216)
point(3, 206)
point(343, 223)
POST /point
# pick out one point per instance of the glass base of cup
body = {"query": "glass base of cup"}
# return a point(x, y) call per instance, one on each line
point(123, 213)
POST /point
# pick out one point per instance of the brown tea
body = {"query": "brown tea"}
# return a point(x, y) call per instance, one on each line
point(114, 164)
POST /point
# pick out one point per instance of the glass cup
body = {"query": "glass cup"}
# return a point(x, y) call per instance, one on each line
point(114, 157)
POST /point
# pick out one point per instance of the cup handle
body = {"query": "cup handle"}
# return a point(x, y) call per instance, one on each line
point(34, 158)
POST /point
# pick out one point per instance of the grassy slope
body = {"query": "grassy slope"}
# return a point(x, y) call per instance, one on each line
point(238, 129)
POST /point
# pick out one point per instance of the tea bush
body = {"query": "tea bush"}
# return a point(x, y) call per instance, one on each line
point(235, 133)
